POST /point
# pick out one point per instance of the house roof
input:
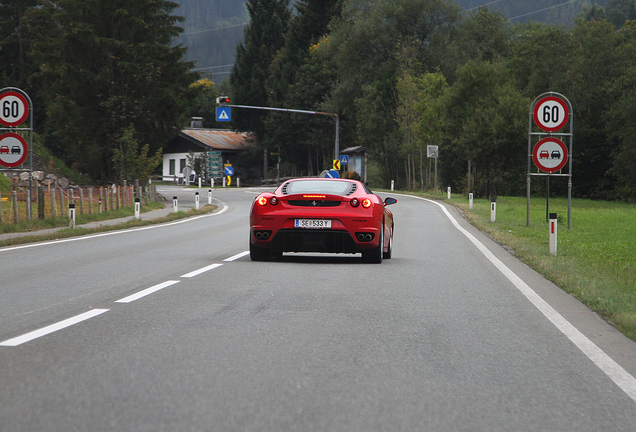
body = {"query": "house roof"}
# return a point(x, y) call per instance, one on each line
point(218, 139)
point(357, 149)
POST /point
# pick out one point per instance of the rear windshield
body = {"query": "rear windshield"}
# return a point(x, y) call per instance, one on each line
point(318, 186)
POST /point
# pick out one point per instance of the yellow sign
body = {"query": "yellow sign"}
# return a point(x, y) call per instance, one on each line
point(336, 164)
point(229, 180)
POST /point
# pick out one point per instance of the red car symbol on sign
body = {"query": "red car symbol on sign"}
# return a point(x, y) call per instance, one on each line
point(544, 154)
point(4, 149)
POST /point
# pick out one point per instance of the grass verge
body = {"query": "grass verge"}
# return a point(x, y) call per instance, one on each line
point(78, 231)
point(596, 258)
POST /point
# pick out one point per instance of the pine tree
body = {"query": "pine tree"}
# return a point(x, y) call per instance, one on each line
point(104, 65)
point(263, 37)
point(14, 65)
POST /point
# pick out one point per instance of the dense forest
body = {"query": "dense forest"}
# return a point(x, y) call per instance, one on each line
point(112, 82)
point(213, 28)
point(406, 74)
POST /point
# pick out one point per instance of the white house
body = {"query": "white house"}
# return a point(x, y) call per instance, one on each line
point(225, 144)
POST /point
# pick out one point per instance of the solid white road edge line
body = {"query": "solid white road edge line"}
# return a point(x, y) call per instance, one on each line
point(201, 270)
point(613, 370)
point(237, 256)
point(143, 293)
point(72, 239)
point(52, 328)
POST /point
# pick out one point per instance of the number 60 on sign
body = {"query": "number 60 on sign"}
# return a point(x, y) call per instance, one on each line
point(551, 114)
point(14, 109)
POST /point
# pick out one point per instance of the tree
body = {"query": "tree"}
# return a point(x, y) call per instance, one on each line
point(486, 122)
point(364, 45)
point(430, 105)
point(14, 45)
point(263, 37)
point(299, 79)
point(131, 162)
point(104, 65)
point(204, 104)
point(620, 11)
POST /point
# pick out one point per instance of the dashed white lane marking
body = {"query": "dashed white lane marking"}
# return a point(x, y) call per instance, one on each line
point(201, 270)
point(237, 256)
point(605, 363)
point(52, 328)
point(83, 317)
point(143, 293)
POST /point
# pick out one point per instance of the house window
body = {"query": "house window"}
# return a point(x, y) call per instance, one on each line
point(182, 165)
point(172, 167)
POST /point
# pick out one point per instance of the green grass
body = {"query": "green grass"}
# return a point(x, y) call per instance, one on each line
point(78, 231)
point(596, 258)
point(36, 224)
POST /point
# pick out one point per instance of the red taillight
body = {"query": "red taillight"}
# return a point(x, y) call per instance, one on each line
point(366, 203)
point(264, 200)
point(355, 202)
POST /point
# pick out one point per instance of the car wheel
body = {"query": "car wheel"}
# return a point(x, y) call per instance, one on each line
point(374, 255)
point(259, 253)
point(389, 251)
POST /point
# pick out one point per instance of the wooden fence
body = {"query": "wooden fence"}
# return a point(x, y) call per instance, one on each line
point(54, 202)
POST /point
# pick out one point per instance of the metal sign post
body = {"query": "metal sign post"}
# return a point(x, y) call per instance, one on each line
point(433, 152)
point(15, 107)
point(223, 101)
point(550, 112)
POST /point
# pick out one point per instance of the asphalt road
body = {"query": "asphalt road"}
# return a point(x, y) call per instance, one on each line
point(173, 328)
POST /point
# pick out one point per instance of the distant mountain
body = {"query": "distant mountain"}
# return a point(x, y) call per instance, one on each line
point(548, 11)
point(213, 28)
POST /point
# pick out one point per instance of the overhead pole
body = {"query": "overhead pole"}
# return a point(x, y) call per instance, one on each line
point(332, 115)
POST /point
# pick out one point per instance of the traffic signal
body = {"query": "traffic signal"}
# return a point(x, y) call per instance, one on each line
point(223, 100)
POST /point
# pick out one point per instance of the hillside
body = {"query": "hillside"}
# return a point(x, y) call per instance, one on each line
point(213, 28)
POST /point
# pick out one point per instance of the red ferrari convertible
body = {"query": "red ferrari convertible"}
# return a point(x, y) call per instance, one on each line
point(321, 215)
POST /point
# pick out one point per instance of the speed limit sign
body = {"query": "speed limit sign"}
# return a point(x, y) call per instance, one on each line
point(14, 109)
point(551, 113)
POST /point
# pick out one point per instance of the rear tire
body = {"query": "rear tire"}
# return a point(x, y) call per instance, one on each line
point(374, 256)
point(259, 253)
point(389, 251)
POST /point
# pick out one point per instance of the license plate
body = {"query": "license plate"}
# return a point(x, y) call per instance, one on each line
point(312, 223)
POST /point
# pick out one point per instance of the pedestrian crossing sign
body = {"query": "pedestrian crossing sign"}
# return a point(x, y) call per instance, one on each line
point(223, 114)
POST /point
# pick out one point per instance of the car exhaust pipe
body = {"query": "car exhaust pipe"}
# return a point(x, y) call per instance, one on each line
point(265, 235)
point(361, 237)
point(368, 237)
point(258, 235)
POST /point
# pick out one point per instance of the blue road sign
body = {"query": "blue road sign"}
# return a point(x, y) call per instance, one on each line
point(332, 174)
point(344, 159)
point(223, 114)
point(229, 171)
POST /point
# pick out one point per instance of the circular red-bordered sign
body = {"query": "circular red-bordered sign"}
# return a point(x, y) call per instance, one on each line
point(550, 154)
point(551, 114)
point(14, 109)
point(13, 150)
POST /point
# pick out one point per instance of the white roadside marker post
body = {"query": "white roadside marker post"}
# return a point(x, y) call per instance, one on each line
point(175, 205)
point(209, 196)
point(493, 210)
point(71, 215)
point(553, 234)
point(196, 200)
point(449, 192)
point(470, 201)
point(137, 209)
